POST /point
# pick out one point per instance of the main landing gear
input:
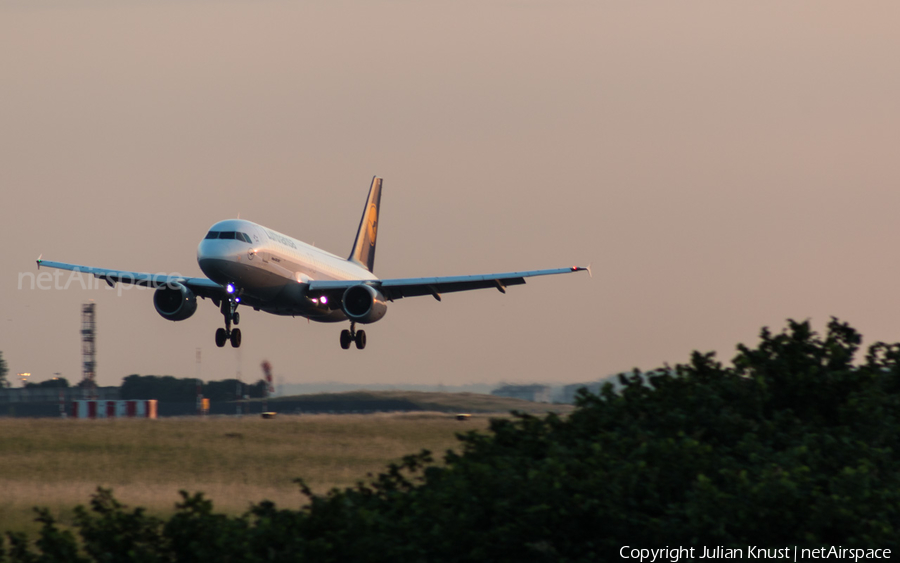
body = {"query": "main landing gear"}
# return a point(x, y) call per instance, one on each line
point(353, 335)
point(231, 315)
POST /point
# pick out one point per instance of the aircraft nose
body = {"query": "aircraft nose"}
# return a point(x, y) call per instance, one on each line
point(220, 250)
point(212, 250)
point(215, 258)
point(202, 250)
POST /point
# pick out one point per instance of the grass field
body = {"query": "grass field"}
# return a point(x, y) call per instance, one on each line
point(236, 461)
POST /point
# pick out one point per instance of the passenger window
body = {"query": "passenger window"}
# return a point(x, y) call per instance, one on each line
point(212, 234)
point(227, 235)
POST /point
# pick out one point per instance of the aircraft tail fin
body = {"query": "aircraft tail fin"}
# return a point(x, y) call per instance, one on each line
point(363, 252)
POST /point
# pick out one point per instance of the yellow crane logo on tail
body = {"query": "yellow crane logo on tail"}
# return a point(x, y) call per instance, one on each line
point(372, 226)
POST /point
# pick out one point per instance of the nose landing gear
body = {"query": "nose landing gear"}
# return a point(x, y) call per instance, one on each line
point(353, 335)
point(231, 315)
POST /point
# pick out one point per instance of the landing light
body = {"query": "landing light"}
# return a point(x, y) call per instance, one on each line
point(324, 300)
point(229, 288)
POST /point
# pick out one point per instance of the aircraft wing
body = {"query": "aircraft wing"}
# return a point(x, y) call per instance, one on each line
point(203, 287)
point(413, 287)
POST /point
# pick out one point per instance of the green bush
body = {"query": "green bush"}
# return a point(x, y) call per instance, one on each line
point(795, 443)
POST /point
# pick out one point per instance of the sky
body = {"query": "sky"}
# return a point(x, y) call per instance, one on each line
point(722, 166)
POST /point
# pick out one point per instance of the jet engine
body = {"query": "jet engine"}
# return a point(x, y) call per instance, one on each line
point(363, 304)
point(174, 301)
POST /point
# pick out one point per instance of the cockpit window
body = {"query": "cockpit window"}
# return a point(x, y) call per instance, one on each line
point(229, 235)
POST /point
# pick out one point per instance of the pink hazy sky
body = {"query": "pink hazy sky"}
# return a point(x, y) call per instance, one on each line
point(723, 166)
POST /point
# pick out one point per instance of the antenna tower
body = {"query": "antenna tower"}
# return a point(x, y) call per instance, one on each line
point(89, 349)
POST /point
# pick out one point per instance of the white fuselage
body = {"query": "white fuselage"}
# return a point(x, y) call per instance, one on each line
point(270, 270)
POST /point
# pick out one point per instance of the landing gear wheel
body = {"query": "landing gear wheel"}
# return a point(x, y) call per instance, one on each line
point(360, 339)
point(223, 335)
point(346, 339)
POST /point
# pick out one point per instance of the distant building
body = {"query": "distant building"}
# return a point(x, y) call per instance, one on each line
point(52, 394)
point(48, 401)
point(537, 393)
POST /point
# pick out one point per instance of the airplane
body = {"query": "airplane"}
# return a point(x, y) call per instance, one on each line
point(249, 264)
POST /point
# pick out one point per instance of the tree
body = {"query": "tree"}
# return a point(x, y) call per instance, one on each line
point(163, 388)
point(3, 371)
point(184, 390)
point(794, 443)
point(49, 383)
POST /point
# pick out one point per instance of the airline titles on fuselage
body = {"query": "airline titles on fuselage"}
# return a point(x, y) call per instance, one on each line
point(281, 239)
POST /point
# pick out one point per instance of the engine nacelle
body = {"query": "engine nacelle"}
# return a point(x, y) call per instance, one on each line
point(363, 304)
point(174, 301)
